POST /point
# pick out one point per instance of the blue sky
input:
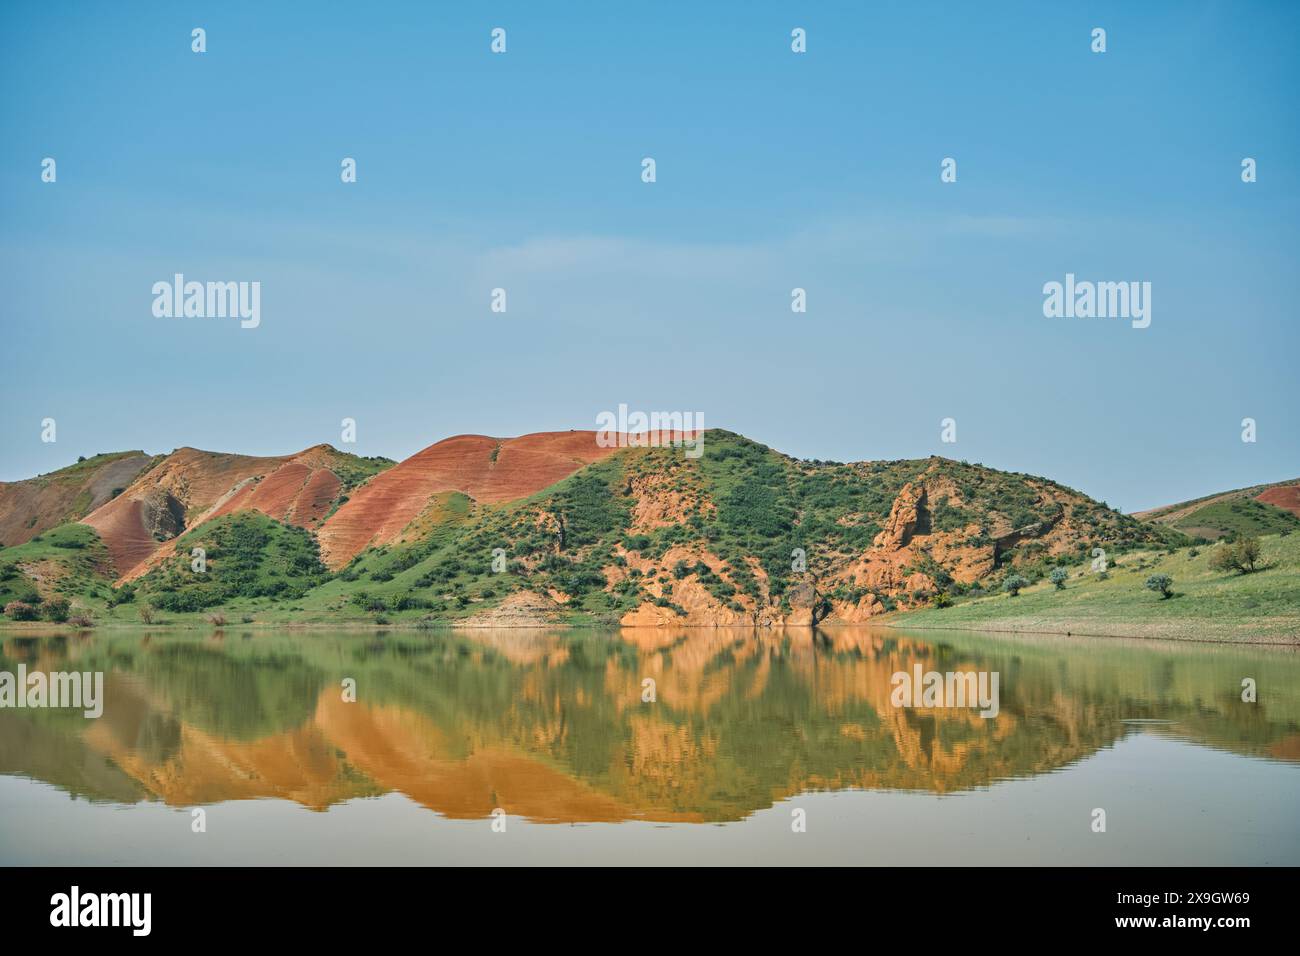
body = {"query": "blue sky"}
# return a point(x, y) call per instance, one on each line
point(775, 170)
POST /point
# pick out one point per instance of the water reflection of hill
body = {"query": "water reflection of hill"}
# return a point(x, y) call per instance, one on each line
point(552, 726)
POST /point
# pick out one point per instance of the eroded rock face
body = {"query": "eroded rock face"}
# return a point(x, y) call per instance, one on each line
point(161, 514)
point(903, 518)
point(521, 609)
point(805, 603)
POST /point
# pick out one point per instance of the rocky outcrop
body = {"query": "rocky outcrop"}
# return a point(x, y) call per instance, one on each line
point(805, 603)
point(904, 517)
point(521, 609)
point(161, 514)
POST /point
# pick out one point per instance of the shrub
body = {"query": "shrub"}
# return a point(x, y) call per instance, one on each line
point(1058, 577)
point(123, 595)
point(941, 599)
point(21, 611)
point(1241, 556)
point(146, 614)
point(1013, 584)
point(56, 609)
point(81, 619)
point(1163, 584)
point(217, 620)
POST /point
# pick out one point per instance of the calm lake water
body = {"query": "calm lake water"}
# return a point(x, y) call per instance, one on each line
point(537, 747)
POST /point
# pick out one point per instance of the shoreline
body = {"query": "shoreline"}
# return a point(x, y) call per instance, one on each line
point(889, 622)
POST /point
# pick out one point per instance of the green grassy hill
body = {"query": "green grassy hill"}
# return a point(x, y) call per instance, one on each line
point(1243, 516)
point(1230, 513)
point(1207, 604)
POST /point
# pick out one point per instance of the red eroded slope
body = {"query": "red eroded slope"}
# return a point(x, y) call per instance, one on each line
point(1287, 498)
point(294, 493)
point(125, 529)
point(33, 506)
point(380, 509)
point(155, 506)
point(190, 487)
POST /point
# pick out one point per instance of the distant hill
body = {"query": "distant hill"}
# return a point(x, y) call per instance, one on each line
point(555, 527)
point(1257, 510)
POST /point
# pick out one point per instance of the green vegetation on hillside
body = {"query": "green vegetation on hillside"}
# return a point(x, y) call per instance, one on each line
point(247, 555)
point(82, 468)
point(1243, 516)
point(69, 563)
point(601, 543)
point(353, 470)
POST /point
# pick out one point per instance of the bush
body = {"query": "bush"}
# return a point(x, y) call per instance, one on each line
point(1162, 584)
point(1241, 556)
point(1058, 577)
point(123, 595)
point(21, 611)
point(56, 609)
point(81, 620)
point(941, 599)
point(1013, 584)
point(217, 620)
point(146, 614)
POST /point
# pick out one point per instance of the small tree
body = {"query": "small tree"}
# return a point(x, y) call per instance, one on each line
point(1058, 577)
point(1013, 584)
point(1241, 556)
point(1248, 555)
point(1161, 583)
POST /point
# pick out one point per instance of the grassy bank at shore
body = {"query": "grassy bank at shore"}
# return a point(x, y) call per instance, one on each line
point(1207, 604)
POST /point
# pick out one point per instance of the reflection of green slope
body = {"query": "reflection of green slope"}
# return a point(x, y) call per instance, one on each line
point(38, 750)
point(243, 697)
point(739, 722)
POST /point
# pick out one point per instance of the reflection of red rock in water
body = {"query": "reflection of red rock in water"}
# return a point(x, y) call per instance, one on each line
point(190, 766)
point(1288, 748)
point(401, 750)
